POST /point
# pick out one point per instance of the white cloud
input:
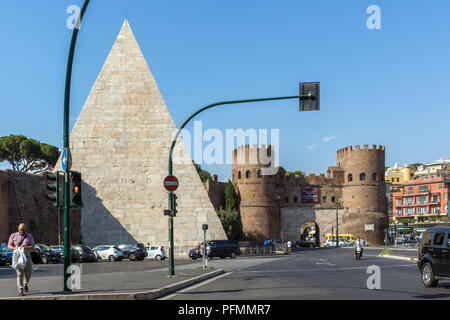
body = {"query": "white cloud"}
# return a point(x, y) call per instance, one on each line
point(327, 139)
point(312, 146)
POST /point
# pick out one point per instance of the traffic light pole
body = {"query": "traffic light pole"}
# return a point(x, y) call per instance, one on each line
point(67, 239)
point(171, 255)
point(337, 223)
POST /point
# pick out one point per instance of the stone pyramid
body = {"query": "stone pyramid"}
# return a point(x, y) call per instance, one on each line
point(120, 143)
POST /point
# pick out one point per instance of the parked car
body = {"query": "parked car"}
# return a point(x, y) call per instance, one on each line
point(155, 252)
point(222, 248)
point(45, 253)
point(302, 244)
point(74, 254)
point(142, 248)
point(195, 253)
point(108, 252)
point(9, 254)
point(86, 253)
point(434, 257)
point(342, 243)
point(3, 259)
point(346, 243)
point(135, 252)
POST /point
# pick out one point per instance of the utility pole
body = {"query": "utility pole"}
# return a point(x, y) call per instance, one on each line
point(337, 223)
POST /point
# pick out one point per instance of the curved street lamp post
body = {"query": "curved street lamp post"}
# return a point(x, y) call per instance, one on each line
point(309, 101)
point(67, 238)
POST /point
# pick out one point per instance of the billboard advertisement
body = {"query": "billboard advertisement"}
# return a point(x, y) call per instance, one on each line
point(310, 195)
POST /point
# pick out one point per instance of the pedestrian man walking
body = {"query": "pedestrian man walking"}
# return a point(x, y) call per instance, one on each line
point(289, 245)
point(22, 239)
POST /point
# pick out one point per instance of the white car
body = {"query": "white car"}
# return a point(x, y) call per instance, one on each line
point(107, 252)
point(155, 252)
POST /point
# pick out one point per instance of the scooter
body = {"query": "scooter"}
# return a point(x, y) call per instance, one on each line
point(358, 253)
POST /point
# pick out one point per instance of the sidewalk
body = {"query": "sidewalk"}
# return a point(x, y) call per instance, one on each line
point(140, 285)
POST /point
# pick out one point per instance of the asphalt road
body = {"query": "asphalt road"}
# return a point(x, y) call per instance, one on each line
point(316, 274)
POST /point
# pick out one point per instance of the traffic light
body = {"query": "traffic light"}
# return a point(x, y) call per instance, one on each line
point(173, 204)
point(53, 185)
point(75, 189)
point(312, 89)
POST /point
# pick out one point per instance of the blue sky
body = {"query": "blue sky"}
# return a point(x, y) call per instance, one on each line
point(388, 86)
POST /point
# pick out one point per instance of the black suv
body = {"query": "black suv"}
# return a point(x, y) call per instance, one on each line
point(133, 252)
point(434, 256)
point(222, 248)
point(59, 249)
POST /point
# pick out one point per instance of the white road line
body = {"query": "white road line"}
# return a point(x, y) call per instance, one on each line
point(321, 269)
point(194, 287)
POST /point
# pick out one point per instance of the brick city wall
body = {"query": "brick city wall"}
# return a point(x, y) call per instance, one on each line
point(216, 192)
point(27, 202)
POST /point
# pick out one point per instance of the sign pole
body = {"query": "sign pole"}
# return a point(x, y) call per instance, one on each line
point(205, 258)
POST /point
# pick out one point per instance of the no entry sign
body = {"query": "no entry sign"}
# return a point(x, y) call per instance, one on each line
point(171, 183)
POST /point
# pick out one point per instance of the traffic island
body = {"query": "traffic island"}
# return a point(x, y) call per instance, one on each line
point(388, 254)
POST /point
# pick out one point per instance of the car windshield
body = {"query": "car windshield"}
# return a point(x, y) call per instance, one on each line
point(86, 249)
point(44, 247)
point(116, 247)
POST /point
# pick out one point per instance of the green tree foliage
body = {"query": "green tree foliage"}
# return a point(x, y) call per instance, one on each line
point(295, 172)
point(415, 165)
point(26, 154)
point(204, 175)
point(230, 215)
point(231, 197)
point(230, 222)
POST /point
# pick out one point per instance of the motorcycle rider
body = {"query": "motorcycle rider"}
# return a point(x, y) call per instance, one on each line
point(359, 244)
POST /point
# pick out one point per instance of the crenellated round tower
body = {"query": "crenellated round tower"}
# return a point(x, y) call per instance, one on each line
point(364, 192)
point(255, 179)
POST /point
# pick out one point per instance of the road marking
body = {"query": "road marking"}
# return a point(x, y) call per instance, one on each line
point(321, 269)
point(194, 287)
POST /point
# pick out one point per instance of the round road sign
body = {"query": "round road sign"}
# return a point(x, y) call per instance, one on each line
point(171, 183)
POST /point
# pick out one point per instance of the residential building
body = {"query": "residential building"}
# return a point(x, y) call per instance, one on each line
point(422, 198)
point(441, 166)
point(397, 175)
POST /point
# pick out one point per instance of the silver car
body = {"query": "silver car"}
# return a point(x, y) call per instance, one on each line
point(155, 252)
point(108, 252)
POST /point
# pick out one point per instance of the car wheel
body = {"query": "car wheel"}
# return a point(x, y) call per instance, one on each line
point(233, 255)
point(132, 256)
point(44, 260)
point(158, 258)
point(111, 258)
point(428, 279)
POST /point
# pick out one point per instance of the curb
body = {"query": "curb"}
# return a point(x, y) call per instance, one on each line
point(398, 257)
point(142, 295)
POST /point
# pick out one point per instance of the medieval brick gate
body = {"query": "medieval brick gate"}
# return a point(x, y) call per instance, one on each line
point(293, 220)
